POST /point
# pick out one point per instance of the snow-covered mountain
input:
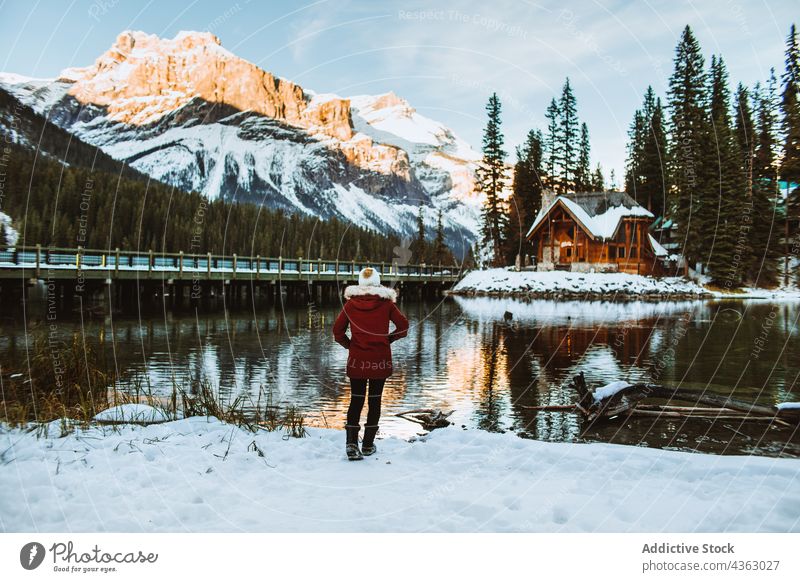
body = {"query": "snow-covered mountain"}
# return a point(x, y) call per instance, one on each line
point(189, 113)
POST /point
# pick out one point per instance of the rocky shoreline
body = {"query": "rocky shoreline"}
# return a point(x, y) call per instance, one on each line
point(584, 295)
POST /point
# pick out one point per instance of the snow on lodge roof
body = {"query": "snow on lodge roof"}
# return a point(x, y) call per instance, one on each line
point(600, 213)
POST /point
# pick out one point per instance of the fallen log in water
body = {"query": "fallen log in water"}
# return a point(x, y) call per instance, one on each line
point(664, 410)
point(621, 399)
point(706, 415)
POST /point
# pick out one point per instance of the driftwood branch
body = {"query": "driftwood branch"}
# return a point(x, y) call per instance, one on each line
point(429, 418)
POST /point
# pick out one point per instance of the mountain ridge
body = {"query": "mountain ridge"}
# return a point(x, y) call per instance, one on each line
point(191, 114)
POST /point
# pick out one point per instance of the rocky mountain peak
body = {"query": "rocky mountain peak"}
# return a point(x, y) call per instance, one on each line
point(391, 99)
point(143, 77)
point(368, 159)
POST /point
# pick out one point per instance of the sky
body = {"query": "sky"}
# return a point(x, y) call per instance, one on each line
point(445, 58)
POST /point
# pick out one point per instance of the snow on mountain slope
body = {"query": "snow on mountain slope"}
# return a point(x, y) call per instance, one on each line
point(192, 114)
point(390, 119)
point(443, 163)
point(11, 234)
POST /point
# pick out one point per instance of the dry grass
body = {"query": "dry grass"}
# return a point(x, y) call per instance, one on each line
point(72, 384)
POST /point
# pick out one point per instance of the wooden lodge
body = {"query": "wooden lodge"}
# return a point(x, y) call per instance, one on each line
point(595, 232)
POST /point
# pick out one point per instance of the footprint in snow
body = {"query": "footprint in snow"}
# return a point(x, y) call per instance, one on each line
point(560, 515)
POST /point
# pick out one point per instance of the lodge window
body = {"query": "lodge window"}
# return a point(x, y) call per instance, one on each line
point(612, 252)
point(621, 252)
point(569, 251)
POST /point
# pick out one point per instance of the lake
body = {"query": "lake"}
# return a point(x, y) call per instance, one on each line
point(462, 354)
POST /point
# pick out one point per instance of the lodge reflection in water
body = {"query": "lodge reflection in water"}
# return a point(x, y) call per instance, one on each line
point(464, 355)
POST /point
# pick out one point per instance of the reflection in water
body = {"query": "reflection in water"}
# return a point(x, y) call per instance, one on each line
point(461, 354)
point(699, 345)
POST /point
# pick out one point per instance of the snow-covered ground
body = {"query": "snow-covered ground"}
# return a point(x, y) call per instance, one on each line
point(199, 474)
point(780, 294)
point(526, 283)
point(547, 283)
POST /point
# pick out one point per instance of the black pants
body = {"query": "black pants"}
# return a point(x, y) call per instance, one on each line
point(358, 393)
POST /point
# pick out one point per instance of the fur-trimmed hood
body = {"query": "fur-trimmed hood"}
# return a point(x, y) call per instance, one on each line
point(360, 290)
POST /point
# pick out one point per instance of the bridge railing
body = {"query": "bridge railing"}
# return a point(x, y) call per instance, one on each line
point(40, 257)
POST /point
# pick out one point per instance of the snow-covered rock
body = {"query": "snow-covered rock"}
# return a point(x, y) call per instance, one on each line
point(132, 413)
point(202, 475)
point(194, 115)
point(535, 283)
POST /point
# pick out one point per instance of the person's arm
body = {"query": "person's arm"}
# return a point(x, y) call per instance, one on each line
point(400, 324)
point(340, 330)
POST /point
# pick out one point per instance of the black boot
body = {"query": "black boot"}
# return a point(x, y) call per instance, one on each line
point(368, 444)
point(353, 454)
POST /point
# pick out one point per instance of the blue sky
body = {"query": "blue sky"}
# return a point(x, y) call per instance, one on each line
point(445, 58)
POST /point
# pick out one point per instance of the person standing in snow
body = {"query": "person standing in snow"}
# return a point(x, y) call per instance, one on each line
point(368, 309)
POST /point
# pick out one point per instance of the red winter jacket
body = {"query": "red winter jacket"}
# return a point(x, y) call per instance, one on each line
point(367, 312)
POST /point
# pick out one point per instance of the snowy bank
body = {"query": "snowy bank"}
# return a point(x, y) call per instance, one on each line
point(199, 474)
point(778, 294)
point(576, 285)
point(532, 284)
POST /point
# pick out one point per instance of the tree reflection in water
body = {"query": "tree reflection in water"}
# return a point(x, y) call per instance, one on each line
point(462, 354)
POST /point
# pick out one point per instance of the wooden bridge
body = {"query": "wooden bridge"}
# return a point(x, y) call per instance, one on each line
point(195, 275)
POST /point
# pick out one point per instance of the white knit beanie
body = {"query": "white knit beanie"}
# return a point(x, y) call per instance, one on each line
point(369, 277)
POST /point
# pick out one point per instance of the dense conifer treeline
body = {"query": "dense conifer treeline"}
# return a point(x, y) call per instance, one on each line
point(713, 165)
point(722, 167)
point(67, 206)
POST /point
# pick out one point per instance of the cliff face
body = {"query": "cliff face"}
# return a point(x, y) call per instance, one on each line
point(143, 77)
point(190, 113)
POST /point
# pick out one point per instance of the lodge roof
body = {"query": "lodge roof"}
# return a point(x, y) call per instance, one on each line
point(599, 213)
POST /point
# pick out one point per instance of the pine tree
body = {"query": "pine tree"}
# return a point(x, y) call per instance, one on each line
point(635, 158)
point(790, 164)
point(613, 186)
point(765, 226)
point(730, 233)
point(440, 251)
point(491, 181)
point(419, 245)
point(653, 169)
point(790, 105)
point(569, 135)
point(598, 180)
point(745, 133)
point(552, 145)
point(689, 136)
point(640, 139)
point(531, 190)
point(3, 236)
point(527, 200)
point(584, 172)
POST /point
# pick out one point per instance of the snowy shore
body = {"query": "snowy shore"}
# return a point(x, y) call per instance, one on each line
point(566, 284)
point(199, 474)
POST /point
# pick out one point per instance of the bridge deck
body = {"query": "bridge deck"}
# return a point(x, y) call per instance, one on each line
point(58, 263)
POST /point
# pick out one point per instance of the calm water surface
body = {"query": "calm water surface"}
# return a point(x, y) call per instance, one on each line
point(461, 354)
